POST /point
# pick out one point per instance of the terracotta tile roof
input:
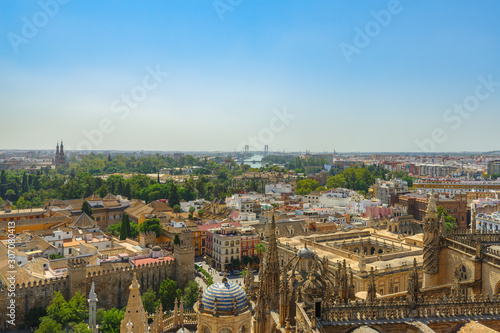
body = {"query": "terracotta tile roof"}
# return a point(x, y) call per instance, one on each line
point(145, 261)
point(84, 221)
point(110, 197)
point(205, 227)
point(111, 203)
point(160, 206)
point(94, 197)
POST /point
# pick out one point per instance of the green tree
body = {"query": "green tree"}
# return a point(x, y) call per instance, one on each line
point(49, 325)
point(200, 213)
point(78, 306)
point(149, 301)
point(177, 240)
point(152, 224)
point(127, 191)
point(54, 256)
point(73, 311)
point(168, 292)
point(33, 316)
point(191, 293)
point(112, 320)
point(11, 194)
point(260, 249)
point(177, 209)
point(80, 328)
point(99, 316)
point(134, 230)
point(236, 263)
point(125, 227)
point(336, 181)
point(191, 209)
point(115, 229)
point(86, 208)
point(173, 198)
point(20, 203)
point(306, 186)
point(24, 184)
point(449, 220)
point(58, 309)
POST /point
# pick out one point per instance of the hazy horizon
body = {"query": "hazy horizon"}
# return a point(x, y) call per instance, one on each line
point(369, 76)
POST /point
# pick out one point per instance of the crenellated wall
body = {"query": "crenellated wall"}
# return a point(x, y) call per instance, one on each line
point(111, 283)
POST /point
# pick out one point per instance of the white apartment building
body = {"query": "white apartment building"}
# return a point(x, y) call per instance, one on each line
point(487, 222)
point(278, 188)
point(223, 245)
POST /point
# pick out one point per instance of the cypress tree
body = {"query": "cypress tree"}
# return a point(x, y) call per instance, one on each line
point(174, 198)
point(127, 219)
point(127, 191)
point(86, 208)
point(24, 184)
point(123, 229)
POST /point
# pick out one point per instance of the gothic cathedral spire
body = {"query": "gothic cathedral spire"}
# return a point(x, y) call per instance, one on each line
point(271, 269)
point(432, 235)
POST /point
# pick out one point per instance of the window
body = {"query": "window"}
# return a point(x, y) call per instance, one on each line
point(462, 271)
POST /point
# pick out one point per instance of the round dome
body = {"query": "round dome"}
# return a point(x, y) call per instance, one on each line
point(183, 330)
point(225, 293)
point(305, 253)
point(156, 248)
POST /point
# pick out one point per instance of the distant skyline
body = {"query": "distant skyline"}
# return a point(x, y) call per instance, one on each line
point(369, 76)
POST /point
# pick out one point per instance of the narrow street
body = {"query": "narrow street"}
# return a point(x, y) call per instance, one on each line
point(215, 275)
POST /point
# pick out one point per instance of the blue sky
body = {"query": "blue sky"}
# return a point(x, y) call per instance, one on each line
point(232, 65)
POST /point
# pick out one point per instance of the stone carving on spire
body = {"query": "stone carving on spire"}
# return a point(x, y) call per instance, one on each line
point(431, 205)
point(432, 234)
point(271, 268)
point(413, 285)
point(371, 293)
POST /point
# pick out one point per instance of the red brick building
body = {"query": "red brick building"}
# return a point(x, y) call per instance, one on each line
point(416, 205)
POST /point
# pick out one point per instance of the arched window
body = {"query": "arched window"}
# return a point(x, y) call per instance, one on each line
point(206, 330)
point(225, 330)
point(462, 271)
point(372, 250)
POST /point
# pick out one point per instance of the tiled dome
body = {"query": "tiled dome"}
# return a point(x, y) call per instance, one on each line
point(225, 292)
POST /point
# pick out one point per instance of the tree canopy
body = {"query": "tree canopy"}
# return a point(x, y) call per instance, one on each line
point(152, 224)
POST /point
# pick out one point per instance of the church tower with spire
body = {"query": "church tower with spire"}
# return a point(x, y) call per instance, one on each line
point(271, 268)
point(60, 159)
point(135, 310)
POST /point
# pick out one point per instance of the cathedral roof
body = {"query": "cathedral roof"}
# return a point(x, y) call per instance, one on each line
point(225, 292)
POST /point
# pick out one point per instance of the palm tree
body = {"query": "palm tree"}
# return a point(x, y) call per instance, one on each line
point(260, 249)
point(177, 209)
